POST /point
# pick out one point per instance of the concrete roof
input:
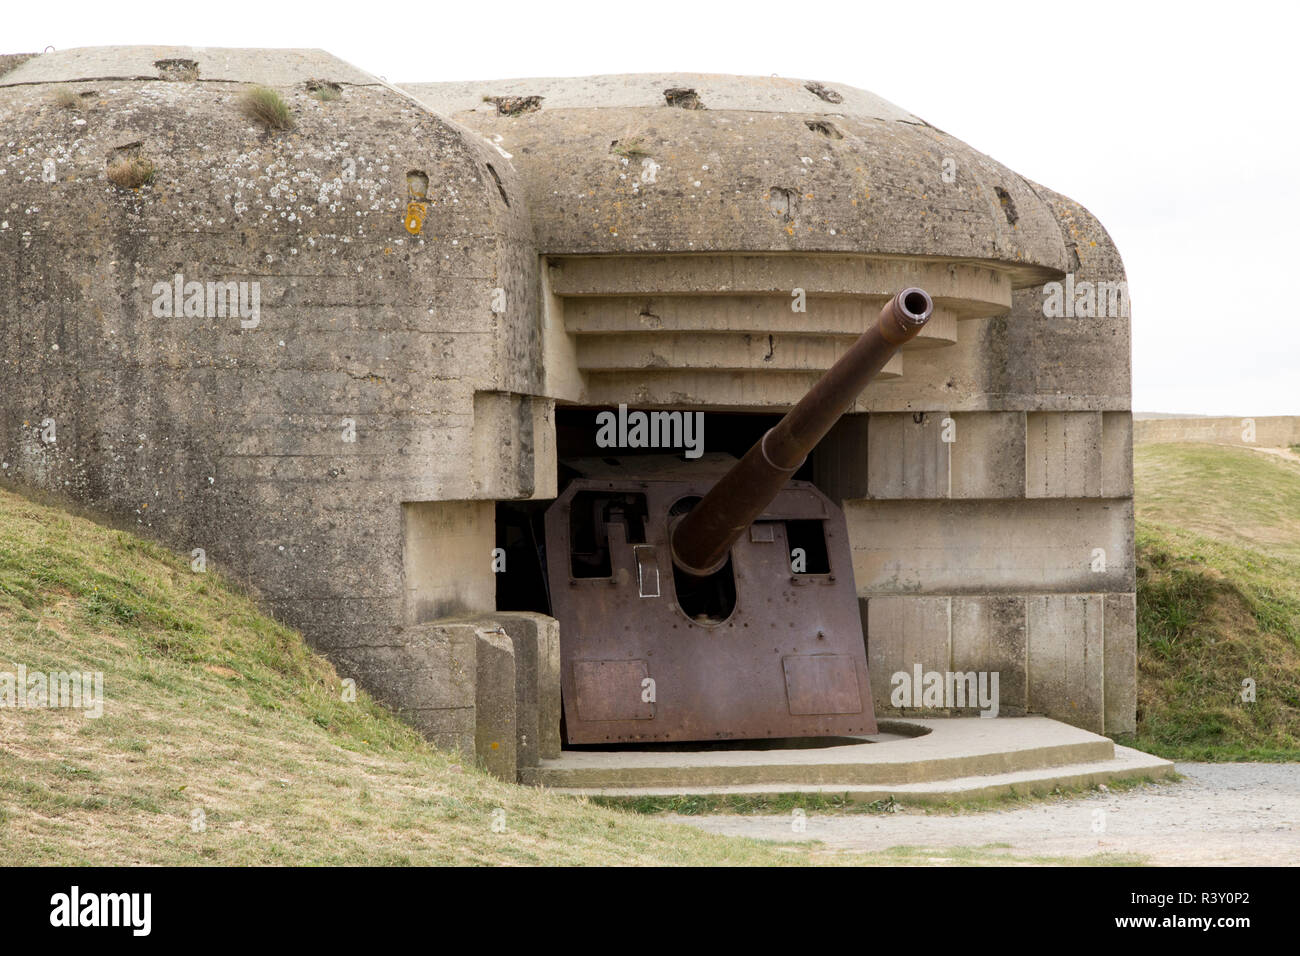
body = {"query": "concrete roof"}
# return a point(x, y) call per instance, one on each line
point(716, 91)
point(760, 164)
point(271, 67)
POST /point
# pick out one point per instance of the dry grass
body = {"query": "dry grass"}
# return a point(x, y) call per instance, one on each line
point(216, 714)
point(324, 90)
point(131, 172)
point(630, 148)
point(225, 740)
point(65, 99)
point(267, 107)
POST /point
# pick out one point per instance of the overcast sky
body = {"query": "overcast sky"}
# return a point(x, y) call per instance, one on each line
point(1175, 124)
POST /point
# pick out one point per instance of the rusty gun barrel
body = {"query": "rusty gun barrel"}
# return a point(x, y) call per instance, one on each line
point(702, 539)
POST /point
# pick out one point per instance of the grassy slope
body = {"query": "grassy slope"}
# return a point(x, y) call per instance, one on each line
point(1218, 549)
point(212, 706)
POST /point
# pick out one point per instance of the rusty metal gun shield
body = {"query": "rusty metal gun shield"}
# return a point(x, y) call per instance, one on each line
point(770, 645)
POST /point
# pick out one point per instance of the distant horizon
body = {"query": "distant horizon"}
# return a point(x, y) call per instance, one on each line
point(1146, 415)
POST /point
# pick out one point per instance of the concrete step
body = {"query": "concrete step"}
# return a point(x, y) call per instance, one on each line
point(906, 752)
point(1126, 764)
point(968, 290)
point(717, 352)
point(598, 317)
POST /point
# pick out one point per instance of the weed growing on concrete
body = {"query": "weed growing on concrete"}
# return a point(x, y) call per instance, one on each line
point(267, 107)
point(633, 148)
point(131, 172)
point(65, 99)
point(324, 90)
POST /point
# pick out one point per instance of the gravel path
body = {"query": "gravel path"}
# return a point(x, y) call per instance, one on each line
point(1243, 814)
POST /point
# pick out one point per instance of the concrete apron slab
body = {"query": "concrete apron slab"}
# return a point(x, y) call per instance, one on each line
point(947, 758)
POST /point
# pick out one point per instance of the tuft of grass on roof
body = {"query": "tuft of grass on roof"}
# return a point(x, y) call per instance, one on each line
point(131, 172)
point(325, 90)
point(631, 148)
point(65, 99)
point(267, 107)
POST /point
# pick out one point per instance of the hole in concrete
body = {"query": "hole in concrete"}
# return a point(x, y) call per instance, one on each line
point(784, 203)
point(1008, 207)
point(515, 105)
point(1075, 264)
point(324, 90)
point(683, 98)
point(417, 183)
point(824, 128)
point(181, 70)
point(500, 188)
point(821, 92)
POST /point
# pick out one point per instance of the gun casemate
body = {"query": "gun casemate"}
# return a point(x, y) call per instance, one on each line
point(715, 599)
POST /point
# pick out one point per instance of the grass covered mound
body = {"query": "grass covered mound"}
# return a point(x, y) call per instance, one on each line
point(225, 740)
point(1218, 581)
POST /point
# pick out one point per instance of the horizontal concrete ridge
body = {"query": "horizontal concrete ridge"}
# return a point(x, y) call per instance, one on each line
point(282, 67)
point(736, 330)
point(687, 163)
point(713, 91)
point(656, 388)
point(1127, 764)
point(949, 749)
point(971, 289)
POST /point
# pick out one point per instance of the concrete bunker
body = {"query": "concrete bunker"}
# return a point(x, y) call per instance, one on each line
point(390, 433)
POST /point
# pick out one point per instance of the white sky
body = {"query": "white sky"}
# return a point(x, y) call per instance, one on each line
point(1175, 124)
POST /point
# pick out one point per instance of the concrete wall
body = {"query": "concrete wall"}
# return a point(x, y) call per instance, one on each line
point(340, 454)
point(1264, 431)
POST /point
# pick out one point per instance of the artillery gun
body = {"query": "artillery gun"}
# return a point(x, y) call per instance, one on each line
point(714, 599)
